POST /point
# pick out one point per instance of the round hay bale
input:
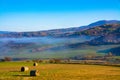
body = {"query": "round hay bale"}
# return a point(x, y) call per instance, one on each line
point(35, 64)
point(23, 69)
point(34, 73)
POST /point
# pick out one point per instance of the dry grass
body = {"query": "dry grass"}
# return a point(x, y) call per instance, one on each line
point(11, 71)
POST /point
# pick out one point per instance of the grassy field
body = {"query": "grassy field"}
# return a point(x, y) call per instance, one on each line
point(11, 71)
point(67, 53)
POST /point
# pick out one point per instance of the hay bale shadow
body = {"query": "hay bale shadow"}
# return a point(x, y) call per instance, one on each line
point(15, 71)
point(22, 75)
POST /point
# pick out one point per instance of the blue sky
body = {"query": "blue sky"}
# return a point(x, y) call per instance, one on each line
point(35, 15)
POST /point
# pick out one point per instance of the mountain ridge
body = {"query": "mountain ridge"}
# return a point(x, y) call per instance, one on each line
point(55, 32)
point(58, 42)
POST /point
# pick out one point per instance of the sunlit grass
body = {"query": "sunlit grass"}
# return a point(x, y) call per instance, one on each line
point(11, 71)
point(87, 50)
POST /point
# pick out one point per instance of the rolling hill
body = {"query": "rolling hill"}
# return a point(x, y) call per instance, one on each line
point(56, 32)
point(62, 43)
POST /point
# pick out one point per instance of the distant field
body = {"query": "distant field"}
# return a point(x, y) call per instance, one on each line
point(11, 71)
point(86, 50)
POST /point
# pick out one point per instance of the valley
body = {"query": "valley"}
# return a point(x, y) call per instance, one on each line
point(98, 38)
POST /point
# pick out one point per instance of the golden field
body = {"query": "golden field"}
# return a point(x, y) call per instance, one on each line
point(11, 71)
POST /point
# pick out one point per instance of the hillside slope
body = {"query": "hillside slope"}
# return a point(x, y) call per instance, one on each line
point(62, 43)
point(56, 32)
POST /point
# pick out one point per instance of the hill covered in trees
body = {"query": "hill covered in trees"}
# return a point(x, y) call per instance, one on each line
point(94, 38)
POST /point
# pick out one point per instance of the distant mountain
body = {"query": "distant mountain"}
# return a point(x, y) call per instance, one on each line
point(109, 33)
point(57, 32)
point(99, 23)
point(102, 22)
point(105, 34)
point(58, 42)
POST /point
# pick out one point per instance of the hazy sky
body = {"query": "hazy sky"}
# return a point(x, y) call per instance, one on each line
point(35, 15)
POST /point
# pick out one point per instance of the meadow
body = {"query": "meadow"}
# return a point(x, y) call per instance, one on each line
point(47, 71)
point(65, 53)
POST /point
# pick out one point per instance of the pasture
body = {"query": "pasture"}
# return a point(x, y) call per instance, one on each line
point(11, 71)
